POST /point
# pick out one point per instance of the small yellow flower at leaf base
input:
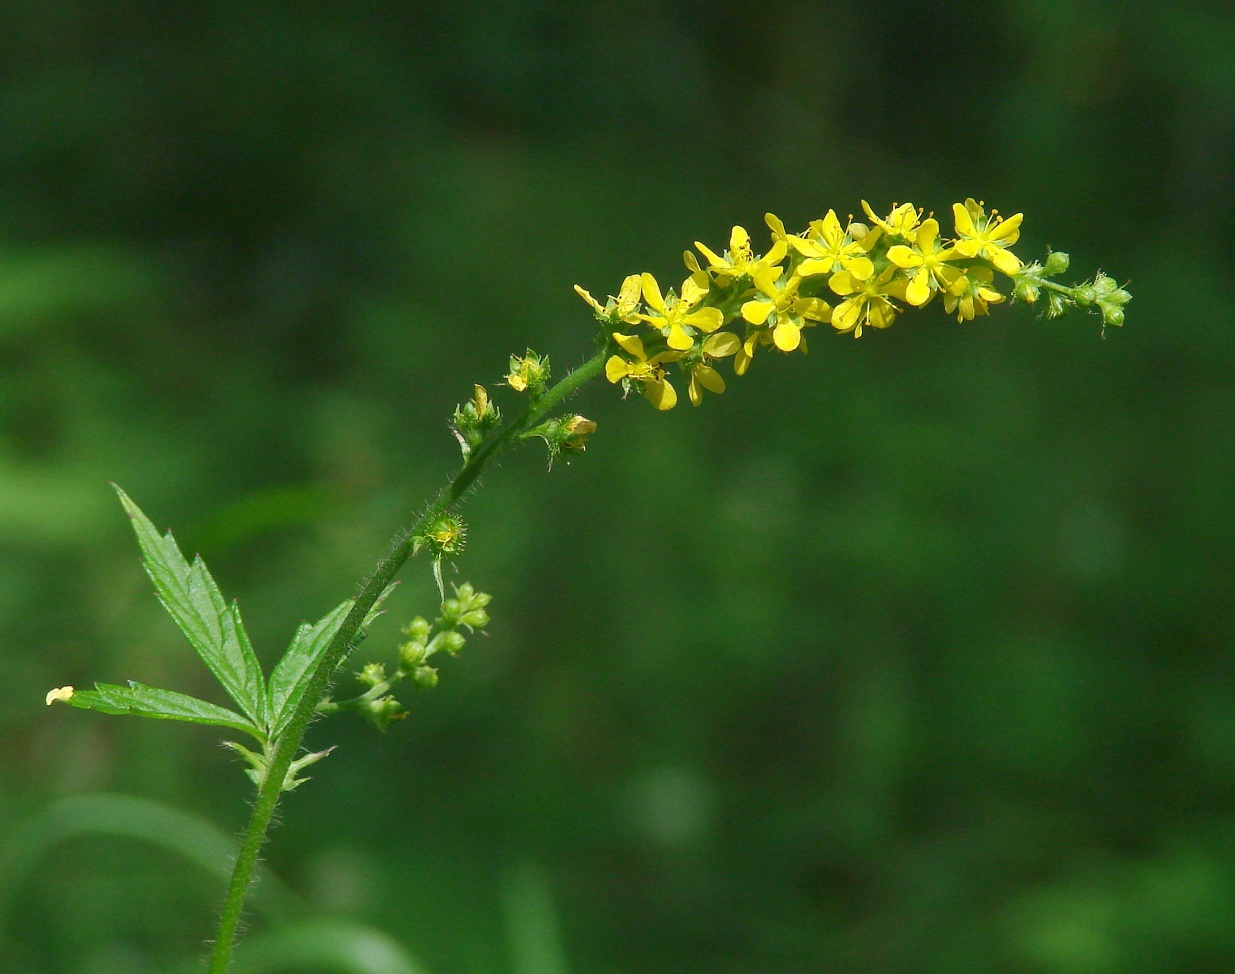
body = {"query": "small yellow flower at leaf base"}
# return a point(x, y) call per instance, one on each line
point(702, 375)
point(901, 222)
point(577, 429)
point(739, 259)
point(866, 301)
point(648, 372)
point(829, 247)
point(988, 237)
point(925, 261)
point(621, 309)
point(529, 371)
point(673, 315)
point(64, 694)
point(971, 295)
point(778, 307)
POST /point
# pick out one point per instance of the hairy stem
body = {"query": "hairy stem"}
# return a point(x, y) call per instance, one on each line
point(289, 742)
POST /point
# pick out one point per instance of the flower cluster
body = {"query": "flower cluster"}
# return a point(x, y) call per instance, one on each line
point(852, 276)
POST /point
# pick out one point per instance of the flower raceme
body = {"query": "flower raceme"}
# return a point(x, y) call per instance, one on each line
point(853, 276)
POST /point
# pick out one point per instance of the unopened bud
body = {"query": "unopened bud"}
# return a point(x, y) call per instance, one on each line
point(418, 629)
point(451, 642)
point(1056, 262)
point(425, 677)
point(1026, 291)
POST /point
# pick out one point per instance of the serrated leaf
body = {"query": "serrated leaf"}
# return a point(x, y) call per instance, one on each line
point(292, 674)
point(194, 601)
point(145, 701)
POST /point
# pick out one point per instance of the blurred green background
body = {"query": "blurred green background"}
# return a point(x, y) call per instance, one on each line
point(909, 657)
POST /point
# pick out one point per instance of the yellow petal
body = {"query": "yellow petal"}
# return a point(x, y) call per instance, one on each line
point(787, 336)
point(660, 394)
point(722, 345)
point(1008, 232)
point(918, 292)
point(859, 267)
point(628, 296)
point(775, 225)
point(714, 259)
point(589, 299)
point(678, 339)
point(847, 313)
point(843, 282)
point(964, 225)
point(776, 254)
point(709, 378)
point(1004, 260)
point(693, 390)
point(928, 232)
point(59, 693)
point(631, 344)
point(705, 319)
point(764, 278)
point(967, 248)
point(616, 369)
point(739, 241)
point(651, 292)
point(813, 266)
point(903, 256)
point(757, 312)
point(814, 309)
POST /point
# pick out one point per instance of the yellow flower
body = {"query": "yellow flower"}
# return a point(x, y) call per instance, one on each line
point(779, 308)
point(620, 309)
point(972, 294)
point(830, 248)
point(528, 371)
point(702, 375)
point(901, 222)
point(925, 261)
point(59, 693)
point(866, 301)
point(981, 236)
point(648, 372)
point(739, 259)
point(674, 315)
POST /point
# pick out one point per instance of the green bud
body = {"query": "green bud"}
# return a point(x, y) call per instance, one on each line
point(425, 677)
point(1057, 262)
point(1112, 316)
point(476, 619)
point(1056, 305)
point(418, 629)
point(1085, 295)
point(451, 642)
point(451, 610)
point(383, 712)
point(372, 674)
point(411, 655)
point(1026, 291)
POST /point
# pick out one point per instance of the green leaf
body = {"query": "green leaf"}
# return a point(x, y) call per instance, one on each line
point(190, 595)
point(291, 676)
point(147, 701)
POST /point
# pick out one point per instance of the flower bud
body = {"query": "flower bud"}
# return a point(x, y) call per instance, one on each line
point(1026, 291)
point(1056, 262)
point(1084, 295)
point(418, 629)
point(425, 677)
point(1112, 316)
point(451, 642)
point(372, 674)
point(412, 655)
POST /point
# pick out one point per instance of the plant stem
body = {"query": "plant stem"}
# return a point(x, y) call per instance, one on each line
point(289, 742)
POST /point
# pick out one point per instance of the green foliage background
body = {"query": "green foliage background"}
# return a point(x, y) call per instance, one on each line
point(909, 657)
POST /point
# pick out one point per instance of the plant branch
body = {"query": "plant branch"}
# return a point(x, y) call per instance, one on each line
point(289, 742)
